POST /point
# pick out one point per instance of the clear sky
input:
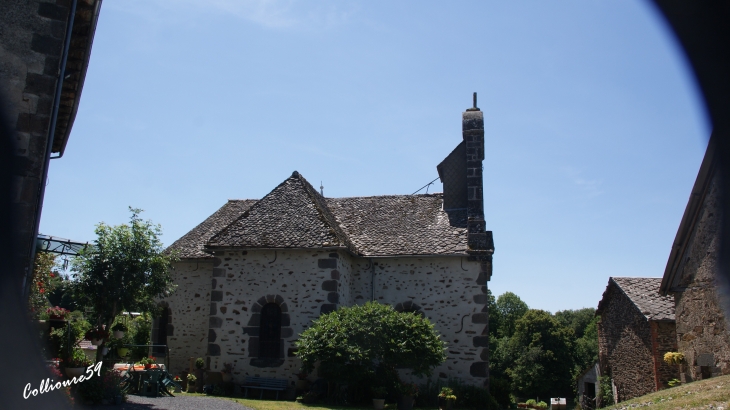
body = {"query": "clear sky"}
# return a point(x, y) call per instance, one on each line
point(594, 126)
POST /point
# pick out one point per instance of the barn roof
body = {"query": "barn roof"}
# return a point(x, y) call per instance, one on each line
point(644, 294)
point(295, 215)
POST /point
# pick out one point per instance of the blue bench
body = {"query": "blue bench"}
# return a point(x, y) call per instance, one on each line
point(264, 383)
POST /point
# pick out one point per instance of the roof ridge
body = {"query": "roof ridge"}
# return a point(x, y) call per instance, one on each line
point(326, 213)
point(244, 214)
point(650, 315)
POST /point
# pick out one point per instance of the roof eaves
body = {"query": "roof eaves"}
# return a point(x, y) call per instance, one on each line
point(689, 220)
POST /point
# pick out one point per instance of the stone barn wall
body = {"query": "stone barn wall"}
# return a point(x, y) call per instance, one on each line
point(702, 329)
point(625, 346)
point(189, 305)
point(664, 339)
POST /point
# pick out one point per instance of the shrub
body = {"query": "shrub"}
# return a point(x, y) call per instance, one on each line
point(199, 363)
point(351, 340)
point(672, 358)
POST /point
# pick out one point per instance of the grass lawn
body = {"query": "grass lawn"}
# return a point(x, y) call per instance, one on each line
point(290, 405)
point(703, 394)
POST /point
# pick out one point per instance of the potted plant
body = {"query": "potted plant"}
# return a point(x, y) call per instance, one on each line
point(379, 393)
point(199, 365)
point(179, 383)
point(408, 393)
point(147, 362)
point(227, 372)
point(191, 383)
point(119, 329)
point(96, 336)
point(446, 398)
point(57, 313)
point(76, 364)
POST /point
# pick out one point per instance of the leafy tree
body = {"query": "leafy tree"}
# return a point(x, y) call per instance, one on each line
point(125, 270)
point(543, 353)
point(495, 316)
point(586, 347)
point(511, 308)
point(351, 342)
point(577, 320)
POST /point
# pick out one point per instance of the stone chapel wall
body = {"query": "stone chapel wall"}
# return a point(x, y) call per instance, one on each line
point(304, 283)
point(445, 290)
point(189, 306)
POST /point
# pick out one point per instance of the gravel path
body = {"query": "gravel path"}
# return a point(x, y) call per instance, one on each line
point(180, 402)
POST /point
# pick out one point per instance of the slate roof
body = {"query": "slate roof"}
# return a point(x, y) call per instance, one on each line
point(644, 294)
point(192, 243)
point(295, 215)
point(401, 225)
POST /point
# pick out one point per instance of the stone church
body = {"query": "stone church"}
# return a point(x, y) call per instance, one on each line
point(256, 273)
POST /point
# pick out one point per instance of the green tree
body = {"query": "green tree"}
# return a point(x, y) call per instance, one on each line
point(125, 270)
point(577, 320)
point(510, 308)
point(586, 347)
point(350, 342)
point(543, 353)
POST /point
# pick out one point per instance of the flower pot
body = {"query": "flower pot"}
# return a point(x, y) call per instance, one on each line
point(147, 366)
point(56, 317)
point(118, 334)
point(122, 351)
point(75, 371)
point(378, 404)
point(227, 377)
point(191, 387)
point(445, 404)
point(406, 402)
point(96, 342)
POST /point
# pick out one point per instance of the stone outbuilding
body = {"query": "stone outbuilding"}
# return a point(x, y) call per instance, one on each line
point(256, 273)
point(690, 277)
point(588, 386)
point(635, 331)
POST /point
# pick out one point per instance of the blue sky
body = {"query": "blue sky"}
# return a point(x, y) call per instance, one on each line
point(594, 126)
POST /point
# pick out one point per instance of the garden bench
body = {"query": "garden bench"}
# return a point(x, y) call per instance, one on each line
point(264, 383)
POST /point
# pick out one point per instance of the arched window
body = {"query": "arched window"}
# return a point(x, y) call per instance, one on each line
point(270, 331)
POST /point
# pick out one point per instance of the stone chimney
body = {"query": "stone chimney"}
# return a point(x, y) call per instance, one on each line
point(472, 126)
point(461, 174)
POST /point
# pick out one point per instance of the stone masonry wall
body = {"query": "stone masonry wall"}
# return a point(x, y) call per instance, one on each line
point(31, 41)
point(625, 346)
point(702, 329)
point(664, 339)
point(445, 290)
point(303, 283)
point(306, 284)
point(187, 332)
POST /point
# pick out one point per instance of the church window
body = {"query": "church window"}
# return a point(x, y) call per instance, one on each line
point(270, 331)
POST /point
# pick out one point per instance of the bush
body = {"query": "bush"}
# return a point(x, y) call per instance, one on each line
point(199, 363)
point(350, 341)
